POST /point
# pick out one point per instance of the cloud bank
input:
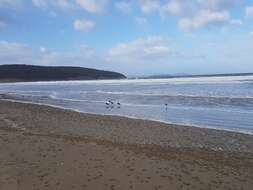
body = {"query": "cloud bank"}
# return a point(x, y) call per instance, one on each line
point(139, 51)
point(191, 14)
point(84, 25)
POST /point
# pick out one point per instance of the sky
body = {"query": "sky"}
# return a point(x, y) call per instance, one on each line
point(134, 37)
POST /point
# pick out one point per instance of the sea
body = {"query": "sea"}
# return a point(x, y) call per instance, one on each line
point(224, 103)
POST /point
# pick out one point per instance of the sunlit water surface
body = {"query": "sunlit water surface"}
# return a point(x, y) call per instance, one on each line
point(213, 102)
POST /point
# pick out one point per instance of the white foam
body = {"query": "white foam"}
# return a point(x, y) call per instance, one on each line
point(132, 117)
point(179, 80)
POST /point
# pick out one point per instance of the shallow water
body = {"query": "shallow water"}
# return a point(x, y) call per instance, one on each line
point(214, 102)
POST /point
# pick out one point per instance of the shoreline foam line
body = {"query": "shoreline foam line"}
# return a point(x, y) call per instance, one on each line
point(127, 104)
point(132, 117)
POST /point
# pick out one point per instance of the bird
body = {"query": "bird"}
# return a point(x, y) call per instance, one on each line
point(118, 103)
point(110, 101)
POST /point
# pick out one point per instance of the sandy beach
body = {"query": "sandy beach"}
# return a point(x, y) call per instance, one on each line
point(44, 148)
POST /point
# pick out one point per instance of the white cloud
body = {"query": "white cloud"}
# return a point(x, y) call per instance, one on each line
point(40, 3)
point(123, 6)
point(43, 49)
point(141, 20)
point(236, 22)
point(249, 12)
point(195, 14)
point(189, 12)
point(191, 7)
point(148, 6)
point(84, 25)
point(251, 33)
point(92, 6)
point(8, 10)
point(44, 4)
point(144, 49)
point(180, 7)
point(205, 18)
point(16, 53)
point(145, 55)
point(63, 3)
point(219, 4)
point(47, 4)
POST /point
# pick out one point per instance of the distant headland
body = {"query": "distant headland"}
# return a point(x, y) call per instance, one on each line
point(192, 76)
point(32, 73)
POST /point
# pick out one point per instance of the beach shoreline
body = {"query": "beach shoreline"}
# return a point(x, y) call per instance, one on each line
point(137, 154)
point(8, 97)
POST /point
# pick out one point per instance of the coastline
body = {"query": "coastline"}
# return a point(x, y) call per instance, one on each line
point(159, 154)
point(10, 98)
point(181, 131)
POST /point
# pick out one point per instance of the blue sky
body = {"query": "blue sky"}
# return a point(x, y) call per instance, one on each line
point(136, 37)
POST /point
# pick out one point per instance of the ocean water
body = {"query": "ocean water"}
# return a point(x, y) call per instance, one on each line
point(212, 102)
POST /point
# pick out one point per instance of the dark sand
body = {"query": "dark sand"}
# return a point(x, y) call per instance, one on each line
point(48, 148)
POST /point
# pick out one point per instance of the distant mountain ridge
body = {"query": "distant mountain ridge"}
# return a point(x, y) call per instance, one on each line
point(189, 76)
point(30, 73)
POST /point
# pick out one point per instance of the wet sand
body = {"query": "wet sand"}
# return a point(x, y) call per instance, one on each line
point(48, 148)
